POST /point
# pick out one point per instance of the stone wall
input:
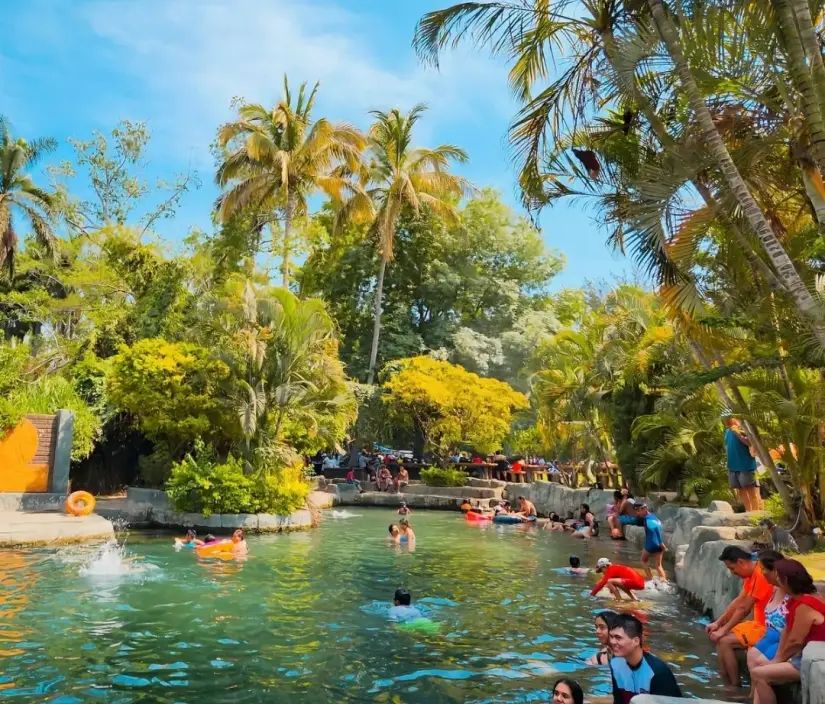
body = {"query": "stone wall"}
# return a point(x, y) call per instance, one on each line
point(150, 507)
point(550, 496)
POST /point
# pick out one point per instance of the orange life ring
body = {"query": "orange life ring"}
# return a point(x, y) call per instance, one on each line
point(218, 548)
point(80, 503)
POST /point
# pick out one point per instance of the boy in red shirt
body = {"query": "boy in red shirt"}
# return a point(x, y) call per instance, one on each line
point(616, 578)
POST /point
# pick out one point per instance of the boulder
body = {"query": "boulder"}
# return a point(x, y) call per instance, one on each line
point(703, 576)
point(813, 674)
point(720, 507)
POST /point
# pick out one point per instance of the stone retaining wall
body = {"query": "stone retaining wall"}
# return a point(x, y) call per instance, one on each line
point(549, 497)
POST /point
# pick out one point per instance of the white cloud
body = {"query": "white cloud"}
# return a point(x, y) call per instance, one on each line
point(191, 57)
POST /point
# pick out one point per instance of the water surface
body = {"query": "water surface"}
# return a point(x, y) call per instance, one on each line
point(304, 619)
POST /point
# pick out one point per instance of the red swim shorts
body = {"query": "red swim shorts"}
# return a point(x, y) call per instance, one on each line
point(638, 583)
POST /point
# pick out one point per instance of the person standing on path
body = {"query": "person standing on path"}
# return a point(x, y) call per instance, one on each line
point(633, 670)
point(741, 464)
point(654, 542)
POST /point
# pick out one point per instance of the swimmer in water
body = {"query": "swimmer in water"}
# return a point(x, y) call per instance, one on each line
point(407, 535)
point(576, 568)
point(554, 522)
point(402, 609)
point(604, 621)
point(239, 546)
point(567, 691)
point(190, 541)
point(403, 510)
point(395, 534)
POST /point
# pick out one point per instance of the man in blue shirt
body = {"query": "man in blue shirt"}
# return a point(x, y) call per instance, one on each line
point(654, 542)
point(741, 464)
point(633, 670)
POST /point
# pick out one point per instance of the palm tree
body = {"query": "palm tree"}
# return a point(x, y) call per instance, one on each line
point(398, 176)
point(18, 192)
point(278, 158)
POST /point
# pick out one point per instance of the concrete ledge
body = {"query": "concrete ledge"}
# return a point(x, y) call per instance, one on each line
point(32, 502)
point(27, 529)
point(813, 674)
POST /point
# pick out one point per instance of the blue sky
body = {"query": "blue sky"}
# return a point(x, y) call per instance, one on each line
point(68, 67)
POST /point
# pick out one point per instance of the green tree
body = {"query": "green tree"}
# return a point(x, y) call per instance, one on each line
point(399, 175)
point(18, 193)
point(276, 159)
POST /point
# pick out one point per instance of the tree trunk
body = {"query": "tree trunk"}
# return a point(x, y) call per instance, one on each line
point(782, 264)
point(810, 41)
point(802, 80)
point(376, 330)
point(289, 216)
point(628, 82)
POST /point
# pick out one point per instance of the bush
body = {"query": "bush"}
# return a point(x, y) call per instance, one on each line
point(443, 477)
point(202, 485)
point(10, 415)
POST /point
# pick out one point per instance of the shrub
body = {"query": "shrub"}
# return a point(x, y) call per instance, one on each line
point(200, 485)
point(10, 415)
point(436, 476)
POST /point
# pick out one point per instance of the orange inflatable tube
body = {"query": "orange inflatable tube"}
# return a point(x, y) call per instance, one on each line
point(80, 503)
point(220, 548)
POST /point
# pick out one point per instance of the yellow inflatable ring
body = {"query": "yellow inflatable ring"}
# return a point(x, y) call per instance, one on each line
point(80, 503)
point(220, 548)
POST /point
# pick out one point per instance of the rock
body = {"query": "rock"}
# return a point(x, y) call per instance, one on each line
point(635, 535)
point(321, 499)
point(703, 575)
point(720, 507)
point(813, 674)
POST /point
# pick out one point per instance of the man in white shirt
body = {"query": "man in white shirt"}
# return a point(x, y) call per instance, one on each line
point(402, 610)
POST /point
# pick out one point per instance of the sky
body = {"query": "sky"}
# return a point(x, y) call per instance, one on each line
point(69, 67)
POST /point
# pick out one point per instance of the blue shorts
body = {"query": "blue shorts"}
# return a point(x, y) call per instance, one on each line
point(628, 520)
point(769, 643)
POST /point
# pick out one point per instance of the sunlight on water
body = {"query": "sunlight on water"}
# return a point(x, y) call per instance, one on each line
point(306, 618)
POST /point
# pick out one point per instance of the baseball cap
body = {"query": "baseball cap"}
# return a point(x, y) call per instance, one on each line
point(602, 563)
point(632, 502)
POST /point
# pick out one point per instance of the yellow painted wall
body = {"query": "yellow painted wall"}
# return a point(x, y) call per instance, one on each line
point(17, 450)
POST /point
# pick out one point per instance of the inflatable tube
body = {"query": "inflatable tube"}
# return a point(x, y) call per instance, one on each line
point(420, 625)
point(220, 548)
point(80, 503)
point(478, 517)
point(508, 518)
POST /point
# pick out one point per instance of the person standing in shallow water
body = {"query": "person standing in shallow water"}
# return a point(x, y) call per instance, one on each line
point(654, 542)
point(632, 669)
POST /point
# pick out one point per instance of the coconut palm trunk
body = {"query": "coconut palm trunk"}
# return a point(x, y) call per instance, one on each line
point(286, 249)
point(803, 81)
point(376, 329)
point(810, 41)
point(784, 267)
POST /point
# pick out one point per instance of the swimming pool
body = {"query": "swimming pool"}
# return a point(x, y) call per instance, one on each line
point(304, 618)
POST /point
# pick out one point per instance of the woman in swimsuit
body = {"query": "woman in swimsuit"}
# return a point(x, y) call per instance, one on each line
point(407, 535)
point(776, 613)
point(604, 622)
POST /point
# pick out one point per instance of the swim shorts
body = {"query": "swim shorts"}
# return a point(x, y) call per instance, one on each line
point(630, 584)
point(654, 549)
point(749, 633)
point(628, 520)
point(742, 480)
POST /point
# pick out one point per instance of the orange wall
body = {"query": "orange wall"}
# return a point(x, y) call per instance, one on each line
point(17, 450)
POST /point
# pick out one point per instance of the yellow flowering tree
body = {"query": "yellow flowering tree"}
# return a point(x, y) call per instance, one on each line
point(449, 406)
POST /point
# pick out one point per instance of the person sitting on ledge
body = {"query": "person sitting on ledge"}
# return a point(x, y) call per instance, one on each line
point(401, 479)
point(806, 624)
point(730, 631)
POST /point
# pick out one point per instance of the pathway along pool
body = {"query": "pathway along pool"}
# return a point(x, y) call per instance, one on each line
point(304, 619)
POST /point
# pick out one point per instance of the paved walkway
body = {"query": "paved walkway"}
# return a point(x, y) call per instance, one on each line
point(21, 528)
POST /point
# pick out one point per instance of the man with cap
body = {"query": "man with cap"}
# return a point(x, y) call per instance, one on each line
point(654, 542)
point(617, 577)
point(403, 510)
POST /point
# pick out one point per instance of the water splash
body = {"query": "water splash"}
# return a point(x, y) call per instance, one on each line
point(339, 515)
point(112, 561)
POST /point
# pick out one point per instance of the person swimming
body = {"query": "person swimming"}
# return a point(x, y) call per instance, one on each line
point(407, 534)
point(576, 568)
point(395, 533)
point(402, 609)
point(604, 621)
point(190, 541)
point(403, 510)
point(239, 546)
point(465, 506)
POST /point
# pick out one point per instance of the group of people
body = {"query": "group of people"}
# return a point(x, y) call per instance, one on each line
point(788, 613)
point(402, 532)
point(239, 546)
point(526, 508)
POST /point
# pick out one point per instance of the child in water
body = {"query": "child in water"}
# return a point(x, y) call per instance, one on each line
point(239, 546)
point(395, 534)
point(403, 510)
point(190, 541)
point(576, 568)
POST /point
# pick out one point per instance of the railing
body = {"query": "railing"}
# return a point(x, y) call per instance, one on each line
point(567, 474)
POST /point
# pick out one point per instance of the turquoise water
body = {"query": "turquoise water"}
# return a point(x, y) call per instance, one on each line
point(304, 619)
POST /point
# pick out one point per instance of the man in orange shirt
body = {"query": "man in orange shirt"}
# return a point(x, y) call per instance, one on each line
point(730, 631)
point(618, 577)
